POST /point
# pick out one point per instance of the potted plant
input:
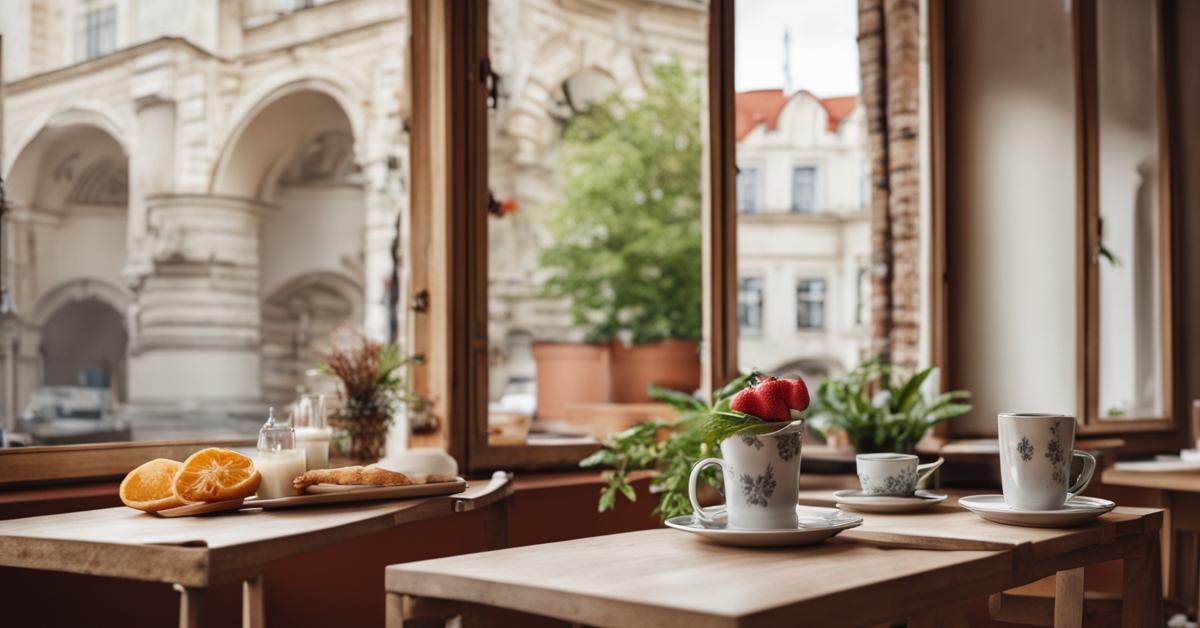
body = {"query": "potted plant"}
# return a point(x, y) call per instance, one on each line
point(881, 412)
point(626, 238)
point(371, 388)
point(669, 448)
point(740, 408)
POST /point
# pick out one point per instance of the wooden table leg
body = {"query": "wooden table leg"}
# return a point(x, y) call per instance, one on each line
point(410, 611)
point(253, 604)
point(495, 525)
point(1068, 598)
point(191, 606)
point(1142, 595)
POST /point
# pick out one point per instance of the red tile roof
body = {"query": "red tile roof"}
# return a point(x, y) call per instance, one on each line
point(762, 106)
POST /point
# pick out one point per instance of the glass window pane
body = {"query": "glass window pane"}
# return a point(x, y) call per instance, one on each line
point(176, 281)
point(1131, 333)
point(804, 189)
point(801, 127)
point(595, 165)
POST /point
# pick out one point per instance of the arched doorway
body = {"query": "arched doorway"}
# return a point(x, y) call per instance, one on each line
point(69, 187)
point(83, 344)
point(295, 152)
point(299, 320)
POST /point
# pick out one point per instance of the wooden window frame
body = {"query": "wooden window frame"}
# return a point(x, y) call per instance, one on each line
point(1139, 434)
point(448, 228)
point(1084, 13)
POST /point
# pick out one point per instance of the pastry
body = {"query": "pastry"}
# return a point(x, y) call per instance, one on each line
point(365, 476)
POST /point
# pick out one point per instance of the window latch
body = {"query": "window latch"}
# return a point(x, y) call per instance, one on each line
point(420, 301)
point(491, 82)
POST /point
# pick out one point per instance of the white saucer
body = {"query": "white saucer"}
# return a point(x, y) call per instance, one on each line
point(1078, 511)
point(858, 501)
point(816, 525)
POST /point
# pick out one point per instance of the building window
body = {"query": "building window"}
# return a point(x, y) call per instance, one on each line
point(810, 304)
point(748, 200)
point(863, 294)
point(95, 31)
point(750, 305)
point(804, 189)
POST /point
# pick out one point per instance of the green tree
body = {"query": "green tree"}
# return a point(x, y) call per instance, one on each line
point(626, 236)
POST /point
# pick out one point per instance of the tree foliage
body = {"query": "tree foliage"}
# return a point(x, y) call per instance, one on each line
point(626, 236)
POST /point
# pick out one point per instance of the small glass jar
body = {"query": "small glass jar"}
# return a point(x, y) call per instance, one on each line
point(312, 431)
point(278, 460)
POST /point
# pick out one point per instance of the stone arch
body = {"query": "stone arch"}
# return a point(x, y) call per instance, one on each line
point(342, 94)
point(85, 113)
point(298, 319)
point(813, 370)
point(82, 328)
point(81, 289)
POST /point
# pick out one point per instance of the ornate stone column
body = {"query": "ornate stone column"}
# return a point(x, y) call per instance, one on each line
point(194, 327)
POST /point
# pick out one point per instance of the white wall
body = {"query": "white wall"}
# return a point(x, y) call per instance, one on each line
point(313, 229)
point(1011, 208)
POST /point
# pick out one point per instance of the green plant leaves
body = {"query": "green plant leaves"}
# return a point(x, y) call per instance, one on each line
point(626, 237)
point(878, 416)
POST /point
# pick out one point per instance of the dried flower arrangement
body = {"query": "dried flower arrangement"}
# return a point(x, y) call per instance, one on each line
point(371, 389)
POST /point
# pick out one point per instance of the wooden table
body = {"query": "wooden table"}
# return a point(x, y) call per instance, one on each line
point(891, 567)
point(195, 553)
point(1179, 493)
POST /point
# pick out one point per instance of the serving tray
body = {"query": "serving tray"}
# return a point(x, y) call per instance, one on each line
point(322, 494)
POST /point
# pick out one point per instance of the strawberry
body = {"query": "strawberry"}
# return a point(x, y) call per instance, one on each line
point(797, 398)
point(766, 407)
point(777, 393)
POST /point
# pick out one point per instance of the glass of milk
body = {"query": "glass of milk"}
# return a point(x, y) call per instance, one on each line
point(312, 432)
point(278, 460)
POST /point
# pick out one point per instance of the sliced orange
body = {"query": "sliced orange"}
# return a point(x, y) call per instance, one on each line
point(148, 487)
point(214, 474)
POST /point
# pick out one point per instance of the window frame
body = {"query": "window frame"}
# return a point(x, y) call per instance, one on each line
point(1084, 16)
point(816, 175)
point(758, 188)
point(1140, 435)
point(762, 305)
point(823, 302)
point(449, 182)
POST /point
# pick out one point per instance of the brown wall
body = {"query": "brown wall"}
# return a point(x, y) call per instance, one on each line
point(335, 586)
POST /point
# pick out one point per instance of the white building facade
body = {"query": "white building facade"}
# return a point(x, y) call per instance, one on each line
point(804, 242)
point(202, 190)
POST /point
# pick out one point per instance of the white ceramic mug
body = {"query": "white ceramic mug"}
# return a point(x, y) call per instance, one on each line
point(762, 480)
point(892, 474)
point(1035, 460)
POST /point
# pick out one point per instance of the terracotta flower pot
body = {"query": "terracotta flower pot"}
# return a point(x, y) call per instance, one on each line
point(569, 373)
point(673, 364)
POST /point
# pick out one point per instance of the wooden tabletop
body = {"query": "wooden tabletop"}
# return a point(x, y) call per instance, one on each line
point(878, 572)
point(207, 550)
point(1181, 481)
point(668, 578)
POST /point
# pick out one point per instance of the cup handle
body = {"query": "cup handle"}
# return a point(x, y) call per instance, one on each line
point(927, 469)
point(698, 511)
point(1085, 476)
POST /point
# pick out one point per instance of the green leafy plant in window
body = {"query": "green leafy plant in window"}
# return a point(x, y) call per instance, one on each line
point(880, 411)
point(626, 238)
point(671, 449)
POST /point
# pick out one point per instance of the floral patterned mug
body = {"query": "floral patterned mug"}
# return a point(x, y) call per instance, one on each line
point(894, 475)
point(762, 480)
point(1036, 450)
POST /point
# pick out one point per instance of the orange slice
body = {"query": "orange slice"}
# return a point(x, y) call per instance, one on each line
point(214, 474)
point(148, 487)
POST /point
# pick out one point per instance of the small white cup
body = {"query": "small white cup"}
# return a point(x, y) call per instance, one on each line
point(1036, 450)
point(892, 474)
point(762, 480)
